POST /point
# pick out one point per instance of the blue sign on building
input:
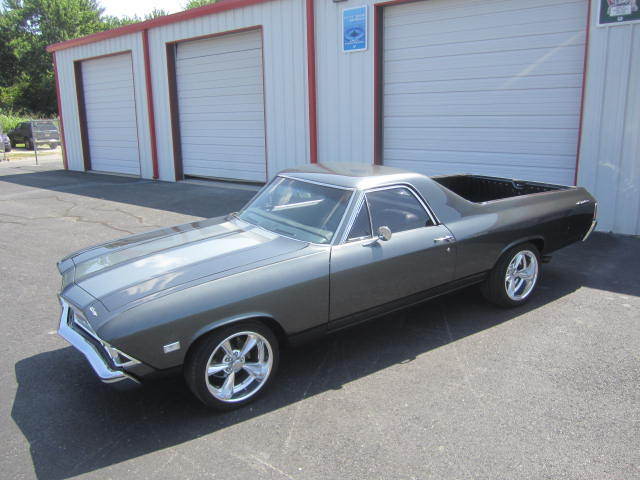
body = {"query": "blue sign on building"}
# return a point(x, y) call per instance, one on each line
point(354, 29)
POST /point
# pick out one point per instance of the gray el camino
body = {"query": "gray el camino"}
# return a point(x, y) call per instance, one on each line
point(318, 249)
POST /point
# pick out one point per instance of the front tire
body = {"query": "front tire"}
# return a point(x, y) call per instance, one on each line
point(514, 278)
point(232, 366)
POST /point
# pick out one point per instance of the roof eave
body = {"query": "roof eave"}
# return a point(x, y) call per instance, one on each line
point(218, 7)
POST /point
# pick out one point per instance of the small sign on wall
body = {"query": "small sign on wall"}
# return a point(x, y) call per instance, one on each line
point(614, 12)
point(354, 29)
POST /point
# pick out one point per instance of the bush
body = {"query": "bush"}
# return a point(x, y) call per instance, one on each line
point(9, 120)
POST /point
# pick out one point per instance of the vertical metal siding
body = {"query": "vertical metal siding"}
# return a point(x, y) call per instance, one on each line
point(65, 61)
point(610, 148)
point(345, 88)
point(286, 99)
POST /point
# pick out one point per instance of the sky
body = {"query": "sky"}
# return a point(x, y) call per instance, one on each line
point(130, 8)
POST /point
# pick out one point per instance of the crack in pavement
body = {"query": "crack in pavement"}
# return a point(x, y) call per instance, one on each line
point(66, 214)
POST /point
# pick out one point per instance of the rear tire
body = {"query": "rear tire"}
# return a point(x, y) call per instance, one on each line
point(232, 366)
point(514, 278)
point(29, 145)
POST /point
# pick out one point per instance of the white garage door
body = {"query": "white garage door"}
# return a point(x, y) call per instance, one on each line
point(488, 87)
point(221, 107)
point(111, 114)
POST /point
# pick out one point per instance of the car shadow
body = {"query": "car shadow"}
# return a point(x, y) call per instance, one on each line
point(206, 199)
point(76, 425)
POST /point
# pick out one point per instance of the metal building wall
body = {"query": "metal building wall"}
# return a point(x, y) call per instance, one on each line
point(610, 148)
point(285, 80)
point(345, 88)
point(65, 60)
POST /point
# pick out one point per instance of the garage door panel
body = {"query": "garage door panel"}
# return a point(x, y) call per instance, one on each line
point(109, 103)
point(571, 25)
point(455, 10)
point(215, 139)
point(107, 84)
point(221, 107)
point(230, 109)
point(226, 44)
point(533, 58)
point(222, 61)
point(538, 20)
point(546, 95)
point(250, 60)
point(396, 72)
point(480, 134)
point(480, 121)
point(571, 81)
point(189, 84)
point(564, 108)
point(477, 160)
point(121, 154)
point(223, 101)
point(488, 46)
point(234, 91)
point(246, 76)
point(194, 146)
point(474, 145)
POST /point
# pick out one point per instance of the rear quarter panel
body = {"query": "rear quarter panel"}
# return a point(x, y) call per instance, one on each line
point(551, 219)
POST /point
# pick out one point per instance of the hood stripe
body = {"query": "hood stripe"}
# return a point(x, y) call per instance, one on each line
point(180, 239)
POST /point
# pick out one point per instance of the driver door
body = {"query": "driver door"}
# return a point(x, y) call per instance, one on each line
point(376, 276)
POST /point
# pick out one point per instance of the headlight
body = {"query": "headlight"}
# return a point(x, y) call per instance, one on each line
point(120, 359)
point(67, 278)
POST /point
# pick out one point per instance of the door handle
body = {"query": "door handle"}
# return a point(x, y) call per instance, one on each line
point(447, 239)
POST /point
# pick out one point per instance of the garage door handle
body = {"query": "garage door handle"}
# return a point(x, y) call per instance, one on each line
point(447, 239)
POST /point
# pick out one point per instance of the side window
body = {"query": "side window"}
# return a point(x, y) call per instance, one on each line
point(398, 209)
point(361, 227)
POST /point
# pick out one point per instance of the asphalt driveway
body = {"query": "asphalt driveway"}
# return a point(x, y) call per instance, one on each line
point(452, 389)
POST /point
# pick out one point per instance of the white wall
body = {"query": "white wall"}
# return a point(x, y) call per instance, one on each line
point(345, 88)
point(69, 99)
point(285, 77)
point(610, 148)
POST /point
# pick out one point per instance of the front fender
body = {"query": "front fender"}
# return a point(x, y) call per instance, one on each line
point(294, 293)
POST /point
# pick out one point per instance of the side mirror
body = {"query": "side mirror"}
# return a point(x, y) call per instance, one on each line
point(384, 235)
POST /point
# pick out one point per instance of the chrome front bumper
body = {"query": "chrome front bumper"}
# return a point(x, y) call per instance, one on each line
point(99, 364)
point(590, 231)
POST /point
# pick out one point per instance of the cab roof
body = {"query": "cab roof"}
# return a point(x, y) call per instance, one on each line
point(352, 175)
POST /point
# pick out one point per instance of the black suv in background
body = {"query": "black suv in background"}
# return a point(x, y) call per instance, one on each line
point(36, 131)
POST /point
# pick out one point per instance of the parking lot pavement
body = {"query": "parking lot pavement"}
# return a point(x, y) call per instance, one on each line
point(451, 389)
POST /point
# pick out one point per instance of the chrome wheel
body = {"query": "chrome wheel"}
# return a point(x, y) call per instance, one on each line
point(522, 275)
point(239, 367)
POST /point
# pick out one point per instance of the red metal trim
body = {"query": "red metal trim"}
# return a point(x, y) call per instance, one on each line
point(156, 22)
point(584, 85)
point(264, 111)
point(311, 83)
point(378, 120)
point(65, 162)
point(82, 115)
point(150, 108)
point(173, 111)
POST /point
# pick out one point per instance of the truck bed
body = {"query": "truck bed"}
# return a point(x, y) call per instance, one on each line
point(477, 188)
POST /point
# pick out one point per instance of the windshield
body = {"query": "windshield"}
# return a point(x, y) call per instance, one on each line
point(297, 209)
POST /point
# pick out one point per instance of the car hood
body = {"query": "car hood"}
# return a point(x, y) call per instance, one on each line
point(126, 270)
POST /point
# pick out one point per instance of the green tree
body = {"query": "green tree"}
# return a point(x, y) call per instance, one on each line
point(29, 26)
point(197, 3)
point(26, 28)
